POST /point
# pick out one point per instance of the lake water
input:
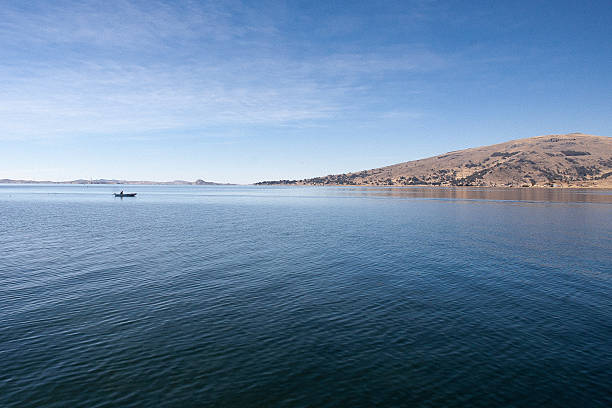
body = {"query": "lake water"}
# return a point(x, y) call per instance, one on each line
point(237, 296)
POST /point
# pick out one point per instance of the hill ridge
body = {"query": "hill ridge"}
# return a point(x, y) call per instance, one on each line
point(198, 182)
point(556, 160)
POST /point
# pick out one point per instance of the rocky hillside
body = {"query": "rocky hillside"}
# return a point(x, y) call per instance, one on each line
point(572, 160)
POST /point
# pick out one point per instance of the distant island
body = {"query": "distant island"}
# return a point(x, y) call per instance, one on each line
point(198, 182)
point(570, 160)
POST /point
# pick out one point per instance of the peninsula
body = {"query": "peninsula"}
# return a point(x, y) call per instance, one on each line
point(569, 160)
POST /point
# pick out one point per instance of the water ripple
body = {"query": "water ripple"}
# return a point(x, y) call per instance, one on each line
point(352, 297)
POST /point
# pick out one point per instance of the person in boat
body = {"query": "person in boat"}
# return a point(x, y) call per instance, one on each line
point(121, 192)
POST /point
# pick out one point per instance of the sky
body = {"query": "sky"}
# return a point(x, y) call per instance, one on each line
point(240, 92)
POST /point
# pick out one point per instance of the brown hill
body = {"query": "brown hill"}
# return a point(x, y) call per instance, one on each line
point(572, 160)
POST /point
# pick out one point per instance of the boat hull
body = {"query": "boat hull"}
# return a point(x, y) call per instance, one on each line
point(125, 195)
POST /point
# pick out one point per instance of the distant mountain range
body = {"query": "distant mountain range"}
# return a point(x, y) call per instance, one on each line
point(198, 182)
point(570, 160)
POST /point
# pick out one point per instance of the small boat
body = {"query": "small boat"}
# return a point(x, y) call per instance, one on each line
point(125, 195)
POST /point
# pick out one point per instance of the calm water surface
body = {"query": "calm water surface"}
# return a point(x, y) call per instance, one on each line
point(304, 297)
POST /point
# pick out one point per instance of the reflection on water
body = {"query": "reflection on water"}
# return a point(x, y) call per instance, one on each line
point(197, 193)
point(507, 194)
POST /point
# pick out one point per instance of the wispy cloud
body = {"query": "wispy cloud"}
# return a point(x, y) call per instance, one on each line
point(125, 24)
point(150, 66)
point(402, 115)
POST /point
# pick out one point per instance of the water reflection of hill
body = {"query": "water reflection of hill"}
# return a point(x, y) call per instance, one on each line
point(506, 194)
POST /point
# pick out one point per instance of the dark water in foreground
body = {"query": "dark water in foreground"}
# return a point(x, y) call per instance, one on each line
point(295, 297)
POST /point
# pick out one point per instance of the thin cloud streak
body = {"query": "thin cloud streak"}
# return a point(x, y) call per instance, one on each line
point(90, 91)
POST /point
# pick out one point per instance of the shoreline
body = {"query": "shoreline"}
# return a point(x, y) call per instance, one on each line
point(60, 183)
point(433, 186)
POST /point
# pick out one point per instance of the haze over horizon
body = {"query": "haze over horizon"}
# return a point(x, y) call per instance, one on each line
point(248, 91)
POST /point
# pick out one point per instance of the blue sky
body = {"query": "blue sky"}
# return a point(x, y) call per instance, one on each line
point(246, 91)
